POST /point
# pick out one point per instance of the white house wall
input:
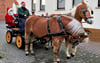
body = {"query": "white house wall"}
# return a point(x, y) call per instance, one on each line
point(51, 7)
point(93, 3)
point(28, 5)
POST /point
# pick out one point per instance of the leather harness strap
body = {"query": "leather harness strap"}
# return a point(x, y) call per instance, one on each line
point(48, 28)
point(63, 32)
point(60, 24)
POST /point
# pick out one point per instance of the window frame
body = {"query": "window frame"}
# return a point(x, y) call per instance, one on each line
point(98, 3)
point(73, 3)
point(33, 7)
point(58, 5)
point(41, 6)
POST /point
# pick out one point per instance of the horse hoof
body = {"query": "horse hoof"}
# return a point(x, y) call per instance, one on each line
point(52, 47)
point(26, 54)
point(57, 62)
point(46, 48)
point(68, 57)
point(33, 54)
point(72, 55)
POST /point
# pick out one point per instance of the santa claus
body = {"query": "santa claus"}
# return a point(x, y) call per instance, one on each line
point(10, 17)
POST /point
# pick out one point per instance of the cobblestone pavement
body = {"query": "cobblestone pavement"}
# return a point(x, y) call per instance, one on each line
point(87, 52)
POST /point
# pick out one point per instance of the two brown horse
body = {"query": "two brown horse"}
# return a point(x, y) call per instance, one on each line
point(38, 26)
point(80, 12)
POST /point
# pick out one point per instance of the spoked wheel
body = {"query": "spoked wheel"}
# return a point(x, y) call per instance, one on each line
point(19, 41)
point(8, 37)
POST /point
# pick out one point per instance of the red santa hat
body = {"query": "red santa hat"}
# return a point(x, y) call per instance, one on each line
point(8, 9)
point(22, 2)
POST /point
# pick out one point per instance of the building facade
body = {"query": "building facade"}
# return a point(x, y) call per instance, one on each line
point(42, 7)
point(3, 7)
point(60, 6)
point(65, 6)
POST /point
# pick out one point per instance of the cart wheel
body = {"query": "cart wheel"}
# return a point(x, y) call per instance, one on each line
point(19, 42)
point(8, 37)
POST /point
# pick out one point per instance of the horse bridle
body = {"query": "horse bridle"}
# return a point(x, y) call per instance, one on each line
point(88, 19)
point(77, 41)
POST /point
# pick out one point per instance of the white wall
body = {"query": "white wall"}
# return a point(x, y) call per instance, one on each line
point(14, 8)
point(93, 3)
point(28, 5)
point(51, 7)
point(38, 12)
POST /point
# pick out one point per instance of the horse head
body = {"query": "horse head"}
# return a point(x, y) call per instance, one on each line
point(84, 12)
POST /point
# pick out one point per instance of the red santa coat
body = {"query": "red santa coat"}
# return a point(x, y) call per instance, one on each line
point(9, 18)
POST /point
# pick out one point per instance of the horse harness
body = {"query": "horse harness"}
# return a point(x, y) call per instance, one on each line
point(60, 24)
point(62, 33)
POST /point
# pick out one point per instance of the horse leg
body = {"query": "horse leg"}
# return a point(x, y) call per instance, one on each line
point(67, 48)
point(47, 46)
point(31, 45)
point(56, 47)
point(74, 51)
point(26, 43)
point(26, 47)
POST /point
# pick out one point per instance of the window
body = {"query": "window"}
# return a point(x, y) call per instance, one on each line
point(76, 2)
point(98, 3)
point(60, 4)
point(73, 3)
point(33, 5)
point(42, 4)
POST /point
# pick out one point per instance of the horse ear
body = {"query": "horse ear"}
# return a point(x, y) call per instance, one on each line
point(83, 2)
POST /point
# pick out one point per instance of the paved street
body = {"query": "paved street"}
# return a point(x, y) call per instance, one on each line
point(88, 52)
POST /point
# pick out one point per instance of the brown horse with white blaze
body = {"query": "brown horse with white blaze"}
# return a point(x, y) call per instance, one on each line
point(38, 26)
point(82, 11)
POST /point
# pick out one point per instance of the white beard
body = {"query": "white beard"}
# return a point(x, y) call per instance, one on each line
point(11, 13)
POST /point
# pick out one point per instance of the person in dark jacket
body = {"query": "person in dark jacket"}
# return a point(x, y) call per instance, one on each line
point(23, 11)
point(23, 14)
